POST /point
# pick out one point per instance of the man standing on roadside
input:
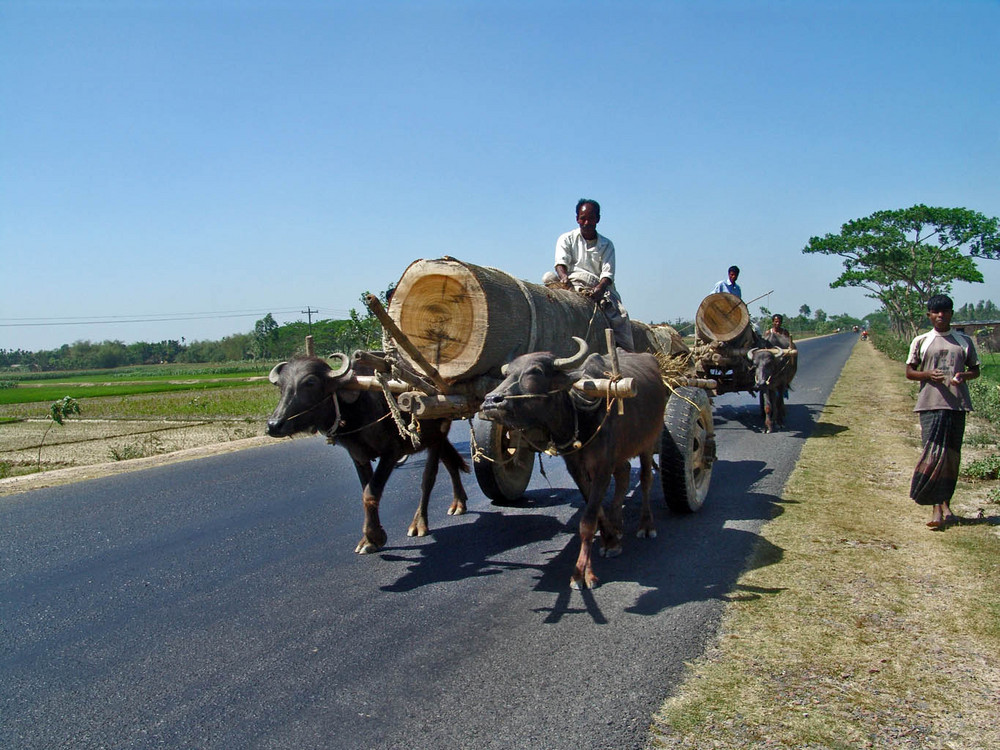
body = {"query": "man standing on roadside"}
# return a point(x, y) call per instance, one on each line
point(585, 261)
point(942, 361)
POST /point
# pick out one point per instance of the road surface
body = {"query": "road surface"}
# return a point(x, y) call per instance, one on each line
point(218, 603)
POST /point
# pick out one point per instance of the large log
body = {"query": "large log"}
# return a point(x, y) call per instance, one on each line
point(469, 320)
point(725, 318)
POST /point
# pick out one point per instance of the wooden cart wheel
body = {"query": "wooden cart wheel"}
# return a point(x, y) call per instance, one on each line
point(504, 475)
point(687, 450)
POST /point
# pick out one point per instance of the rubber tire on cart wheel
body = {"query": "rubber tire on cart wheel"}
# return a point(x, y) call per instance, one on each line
point(687, 450)
point(505, 476)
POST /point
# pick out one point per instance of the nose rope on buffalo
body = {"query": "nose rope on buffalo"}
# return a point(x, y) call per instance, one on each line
point(312, 408)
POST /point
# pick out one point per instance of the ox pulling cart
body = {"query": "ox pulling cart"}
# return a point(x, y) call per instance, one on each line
point(450, 328)
point(729, 351)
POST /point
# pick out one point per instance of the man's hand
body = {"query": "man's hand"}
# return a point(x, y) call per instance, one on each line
point(597, 291)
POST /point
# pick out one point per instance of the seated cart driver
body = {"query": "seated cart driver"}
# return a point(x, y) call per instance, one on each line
point(585, 261)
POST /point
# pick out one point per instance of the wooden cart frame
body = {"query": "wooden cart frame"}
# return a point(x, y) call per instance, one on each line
point(503, 459)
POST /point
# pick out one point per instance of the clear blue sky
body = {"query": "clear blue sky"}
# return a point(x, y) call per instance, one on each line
point(195, 165)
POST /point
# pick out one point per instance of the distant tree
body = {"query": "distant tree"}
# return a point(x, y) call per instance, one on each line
point(366, 329)
point(263, 335)
point(904, 257)
point(805, 311)
point(820, 316)
point(982, 310)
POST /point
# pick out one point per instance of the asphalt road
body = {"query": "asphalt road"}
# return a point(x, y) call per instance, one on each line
point(218, 603)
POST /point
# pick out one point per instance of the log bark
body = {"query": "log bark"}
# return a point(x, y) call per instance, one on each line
point(658, 339)
point(469, 320)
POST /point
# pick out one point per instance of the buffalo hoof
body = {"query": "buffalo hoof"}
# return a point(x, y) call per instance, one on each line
point(457, 508)
point(418, 528)
point(611, 550)
point(645, 533)
point(367, 545)
point(579, 584)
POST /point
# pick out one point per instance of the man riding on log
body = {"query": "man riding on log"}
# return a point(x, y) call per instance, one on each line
point(585, 261)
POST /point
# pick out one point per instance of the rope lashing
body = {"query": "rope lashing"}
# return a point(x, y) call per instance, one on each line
point(412, 430)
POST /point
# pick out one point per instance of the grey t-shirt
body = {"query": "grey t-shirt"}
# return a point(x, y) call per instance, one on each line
point(949, 352)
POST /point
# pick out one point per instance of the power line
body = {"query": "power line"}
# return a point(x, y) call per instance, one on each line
point(309, 311)
point(147, 318)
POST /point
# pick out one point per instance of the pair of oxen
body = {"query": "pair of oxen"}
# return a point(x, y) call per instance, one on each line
point(596, 440)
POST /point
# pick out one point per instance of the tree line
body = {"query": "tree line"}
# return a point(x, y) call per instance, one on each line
point(267, 341)
point(900, 257)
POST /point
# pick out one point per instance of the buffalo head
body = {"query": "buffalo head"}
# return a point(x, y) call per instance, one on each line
point(522, 399)
point(309, 391)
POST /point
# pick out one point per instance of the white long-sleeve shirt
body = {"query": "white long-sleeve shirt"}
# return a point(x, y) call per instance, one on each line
point(586, 262)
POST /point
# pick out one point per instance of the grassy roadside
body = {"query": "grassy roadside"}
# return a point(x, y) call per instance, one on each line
point(869, 629)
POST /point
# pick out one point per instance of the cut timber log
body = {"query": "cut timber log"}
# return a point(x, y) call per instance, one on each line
point(724, 317)
point(469, 320)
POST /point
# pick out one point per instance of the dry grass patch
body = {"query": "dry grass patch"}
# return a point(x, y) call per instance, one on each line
point(871, 630)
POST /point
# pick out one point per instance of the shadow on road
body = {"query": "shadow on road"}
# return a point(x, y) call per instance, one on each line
point(695, 557)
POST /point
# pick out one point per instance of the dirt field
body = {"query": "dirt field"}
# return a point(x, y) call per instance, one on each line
point(85, 448)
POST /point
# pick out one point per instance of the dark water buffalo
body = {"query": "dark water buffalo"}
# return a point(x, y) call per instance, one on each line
point(775, 361)
point(312, 399)
point(596, 442)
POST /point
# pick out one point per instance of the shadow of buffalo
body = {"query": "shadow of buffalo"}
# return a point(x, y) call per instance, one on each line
point(695, 557)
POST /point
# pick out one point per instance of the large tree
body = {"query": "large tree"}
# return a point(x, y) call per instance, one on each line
point(906, 256)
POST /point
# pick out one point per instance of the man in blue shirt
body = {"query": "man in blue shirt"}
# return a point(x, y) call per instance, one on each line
point(730, 287)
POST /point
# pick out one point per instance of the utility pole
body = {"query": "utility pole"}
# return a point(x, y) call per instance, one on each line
point(309, 311)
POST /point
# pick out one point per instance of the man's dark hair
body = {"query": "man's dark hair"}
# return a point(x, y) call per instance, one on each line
point(734, 268)
point(584, 201)
point(940, 303)
point(779, 317)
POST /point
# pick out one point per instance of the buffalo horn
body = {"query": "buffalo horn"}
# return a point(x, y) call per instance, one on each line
point(275, 372)
point(568, 363)
point(750, 353)
point(339, 369)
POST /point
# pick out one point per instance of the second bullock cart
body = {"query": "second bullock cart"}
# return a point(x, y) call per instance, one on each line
point(723, 337)
point(450, 327)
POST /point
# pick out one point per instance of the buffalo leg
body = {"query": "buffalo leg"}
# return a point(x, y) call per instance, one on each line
point(373, 536)
point(454, 464)
point(647, 528)
point(419, 526)
point(766, 400)
point(614, 527)
point(583, 574)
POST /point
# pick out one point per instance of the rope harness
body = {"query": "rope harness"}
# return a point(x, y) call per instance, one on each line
point(579, 403)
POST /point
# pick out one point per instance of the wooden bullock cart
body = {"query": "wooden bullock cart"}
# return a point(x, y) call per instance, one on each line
point(724, 337)
point(452, 325)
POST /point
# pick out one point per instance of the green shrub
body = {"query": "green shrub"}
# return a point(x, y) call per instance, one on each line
point(986, 398)
point(983, 468)
point(893, 347)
